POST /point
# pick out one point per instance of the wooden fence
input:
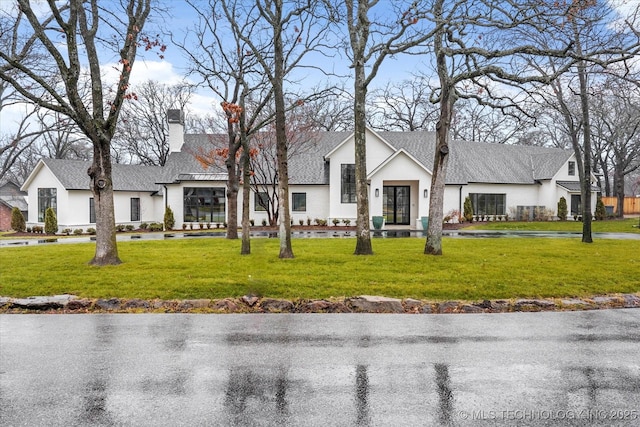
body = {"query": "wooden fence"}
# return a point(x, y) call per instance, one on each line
point(631, 204)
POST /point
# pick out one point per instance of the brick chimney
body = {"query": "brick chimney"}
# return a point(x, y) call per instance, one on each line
point(176, 130)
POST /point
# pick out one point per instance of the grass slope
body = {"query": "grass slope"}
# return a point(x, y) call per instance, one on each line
point(471, 269)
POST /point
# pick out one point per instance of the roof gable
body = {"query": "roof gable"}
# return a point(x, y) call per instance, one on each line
point(395, 155)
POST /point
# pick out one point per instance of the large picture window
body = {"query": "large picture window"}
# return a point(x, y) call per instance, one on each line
point(488, 204)
point(299, 202)
point(348, 183)
point(135, 209)
point(204, 204)
point(47, 198)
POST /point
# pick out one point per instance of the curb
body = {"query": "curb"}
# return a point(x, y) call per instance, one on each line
point(360, 304)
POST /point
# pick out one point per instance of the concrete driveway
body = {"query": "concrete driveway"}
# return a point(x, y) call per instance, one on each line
point(571, 368)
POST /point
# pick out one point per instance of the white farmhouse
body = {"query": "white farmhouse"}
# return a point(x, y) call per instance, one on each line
point(499, 179)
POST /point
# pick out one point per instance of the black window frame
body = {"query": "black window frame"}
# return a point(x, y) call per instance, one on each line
point(92, 210)
point(348, 183)
point(204, 204)
point(259, 196)
point(488, 203)
point(135, 209)
point(47, 198)
point(298, 202)
point(572, 168)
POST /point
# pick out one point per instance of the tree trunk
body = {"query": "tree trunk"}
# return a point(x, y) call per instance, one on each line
point(363, 234)
point(102, 187)
point(232, 184)
point(618, 184)
point(585, 185)
point(286, 250)
point(433, 245)
point(246, 191)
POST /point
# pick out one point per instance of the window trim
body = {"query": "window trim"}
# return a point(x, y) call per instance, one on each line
point(294, 207)
point(348, 192)
point(92, 210)
point(136, 210)
point(496, 205)
point(46, 201)
point(257, 197)
point(572, 168)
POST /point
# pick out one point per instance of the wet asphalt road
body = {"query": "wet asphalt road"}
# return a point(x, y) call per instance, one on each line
point(572, 368)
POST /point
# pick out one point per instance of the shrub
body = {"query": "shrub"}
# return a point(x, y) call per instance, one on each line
point(468, 209)
point(562, 209)
point(308, 221)
point(346, 222)
point(50, 221)
point(301, 222)
point(77, 231)
point(129, 227)
point(66, 231)
point(252, 222)
point(601, 212)
point(120, 227)
point(264, 222)
point(38, 229)
point(91, 230)
point(144, 226)
point(169, 220)
point(335, 221)
point(17, 220)
point(28, 229)
point(154, 226)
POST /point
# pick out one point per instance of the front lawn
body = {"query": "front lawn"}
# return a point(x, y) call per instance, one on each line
point(471, 269)
point(628, 225)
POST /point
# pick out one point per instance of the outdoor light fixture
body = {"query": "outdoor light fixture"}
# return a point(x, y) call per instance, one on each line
point(425, 193)
point(377, 192)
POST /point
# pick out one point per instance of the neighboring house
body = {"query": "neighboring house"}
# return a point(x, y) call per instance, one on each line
point(499, 179)
point(10, 197)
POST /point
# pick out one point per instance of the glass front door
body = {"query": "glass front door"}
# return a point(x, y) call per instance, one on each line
point(396, 204)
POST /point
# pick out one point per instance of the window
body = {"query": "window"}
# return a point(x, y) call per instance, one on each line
point(204, 204)
point(92, 210)
point(135, 209)
point(46, 199)
point(260, 201)
point(299, 202)
point(488, 204)
point(572, 168)
point(348, 183)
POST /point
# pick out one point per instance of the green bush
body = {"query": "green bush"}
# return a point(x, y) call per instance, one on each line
point(562, 209)
point(468, 210)
point(144, 226)
point(91, 231)
point(50, 221)
point(154, 226)
point(601, 212)
point(169, 220)
point(17, 220)
point(77, 231)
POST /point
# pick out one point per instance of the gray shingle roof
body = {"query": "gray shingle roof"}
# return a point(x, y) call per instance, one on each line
point(469, 162)
point(72, 174)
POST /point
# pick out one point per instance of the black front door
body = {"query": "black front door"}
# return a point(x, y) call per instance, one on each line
point(396, 208)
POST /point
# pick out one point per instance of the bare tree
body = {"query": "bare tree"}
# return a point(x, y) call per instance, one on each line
point(369, 44)
point(595, 46)
point(142, 133)
point(286, 33)
point(67, 38)
point(403, 106)
point(481, 49)
point(616, 127)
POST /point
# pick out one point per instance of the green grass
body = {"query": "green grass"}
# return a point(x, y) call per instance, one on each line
point(628, 225)
point(470, 269)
